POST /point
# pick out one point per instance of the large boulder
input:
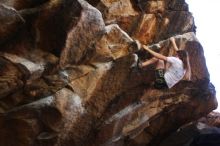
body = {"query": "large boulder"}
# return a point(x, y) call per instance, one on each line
point(69, 76)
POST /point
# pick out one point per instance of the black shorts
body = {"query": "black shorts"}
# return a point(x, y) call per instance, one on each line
point(160, 82)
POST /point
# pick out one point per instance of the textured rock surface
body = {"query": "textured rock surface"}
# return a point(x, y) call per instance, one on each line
point(205, 131)
point(212, 119)
point(11, 22)
point(66, 75)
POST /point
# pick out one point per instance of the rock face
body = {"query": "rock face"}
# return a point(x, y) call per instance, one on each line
point(203, 132)
point(67, 75)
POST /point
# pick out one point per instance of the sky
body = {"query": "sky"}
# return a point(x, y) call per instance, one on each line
point(207, 19)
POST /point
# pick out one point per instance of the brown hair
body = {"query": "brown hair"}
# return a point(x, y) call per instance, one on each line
point(183, 55)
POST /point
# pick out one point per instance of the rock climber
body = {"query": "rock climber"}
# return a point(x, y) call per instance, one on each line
point(169, 70)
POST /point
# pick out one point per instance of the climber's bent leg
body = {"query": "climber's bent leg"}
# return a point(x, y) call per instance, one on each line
point(160, 82)
point(160, 64)
point(148, 62)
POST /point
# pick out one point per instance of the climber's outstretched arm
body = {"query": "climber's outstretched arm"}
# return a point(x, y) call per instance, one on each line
point(174, 44)
point(155, 54)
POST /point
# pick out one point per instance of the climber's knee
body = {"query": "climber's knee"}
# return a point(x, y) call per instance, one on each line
point(160, 64)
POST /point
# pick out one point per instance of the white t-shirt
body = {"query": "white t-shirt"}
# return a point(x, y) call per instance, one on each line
point(175, 72)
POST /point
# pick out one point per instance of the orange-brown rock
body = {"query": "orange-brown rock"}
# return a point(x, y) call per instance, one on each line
point(68, 74)
point(80, 39)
